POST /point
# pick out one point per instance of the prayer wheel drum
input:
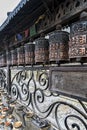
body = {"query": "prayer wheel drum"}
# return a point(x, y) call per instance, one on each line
point(58, 46)
point(78, 39)
point(21, 55)
point(8, 56)
point(41, 50)
point(0, 60)
point(14, 57)
point(4, 59)
point(29, 53)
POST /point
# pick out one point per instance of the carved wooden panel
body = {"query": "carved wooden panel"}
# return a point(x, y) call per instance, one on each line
point(64, 12)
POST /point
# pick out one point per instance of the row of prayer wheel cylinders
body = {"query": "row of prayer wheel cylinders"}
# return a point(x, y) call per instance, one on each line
point(60, 47)
point(42, 52)
point(57, 49)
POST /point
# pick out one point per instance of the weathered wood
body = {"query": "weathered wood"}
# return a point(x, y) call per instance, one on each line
point(70, 15)
point(70, 81)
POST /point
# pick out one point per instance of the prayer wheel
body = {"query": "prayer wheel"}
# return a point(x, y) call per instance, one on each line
point(41, 50)
point(4, 59)
point(29, 53)
point(14, 57)
point(0, 60)
point(78, 39)
point(21, 55)
point(8, 57)
point(58, 46)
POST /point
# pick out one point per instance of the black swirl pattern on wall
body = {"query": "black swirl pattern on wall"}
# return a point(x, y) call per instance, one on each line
point(3, 79)
point(32, 92)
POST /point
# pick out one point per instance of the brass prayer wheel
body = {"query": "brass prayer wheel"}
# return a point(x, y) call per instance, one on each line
point(8, 57)
point(14, 57)
point(4, 59)
point(21, 55)
point(41, 50)
point(78, 38)
point(29, 53)
point(58, 46)
point(0, 60)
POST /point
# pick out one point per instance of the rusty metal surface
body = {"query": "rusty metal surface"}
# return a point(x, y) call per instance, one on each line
point(41, 50)
point(78, 40)
point(58, 46)
point(29, 53)
point(21, 55)
point(70, 81)
point(14, 57)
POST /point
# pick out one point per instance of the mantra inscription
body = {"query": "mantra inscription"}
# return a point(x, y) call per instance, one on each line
point(69, 81)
